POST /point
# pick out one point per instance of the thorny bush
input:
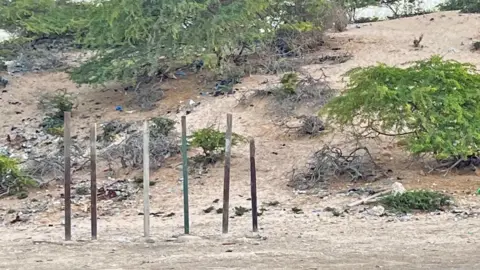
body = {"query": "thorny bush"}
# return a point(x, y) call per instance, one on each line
point(212, 142)
point(129, 151)
point(146, 38)
point(12, 179)
point(465, 6)
point(420, 200)
point(330, 163)
point(433, 105)
point(55, 105)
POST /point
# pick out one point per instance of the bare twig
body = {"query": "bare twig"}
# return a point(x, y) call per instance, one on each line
point(366, 200)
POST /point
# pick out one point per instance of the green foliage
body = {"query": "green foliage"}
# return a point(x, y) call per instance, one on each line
point(56, 129)
point(434, 104)
point(55, 105)
point(146, 37)
point(39, 18)
point(138, 38)
point(299, 27)
point(212, 141)
point(11, 176)
point(421, 200)
point(289, 83)
point(161, 127)
point(465, 6)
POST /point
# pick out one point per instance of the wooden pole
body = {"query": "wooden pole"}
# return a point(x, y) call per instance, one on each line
point(93, 180)
point(67, 140)
point(146, 180)
point(226, 179)
point(253, 186)
point(186, 218)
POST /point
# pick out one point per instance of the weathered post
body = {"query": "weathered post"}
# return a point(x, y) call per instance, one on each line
point(146, 180)
point(226, 179)
point(186, 218)
point(93, 180)
point(67, 140)
point(253, 186)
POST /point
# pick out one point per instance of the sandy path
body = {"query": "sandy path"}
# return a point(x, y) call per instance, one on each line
point(432, 242)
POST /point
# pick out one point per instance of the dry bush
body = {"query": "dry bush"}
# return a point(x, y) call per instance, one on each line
point(287, 52)
point(330, 163)
point(339, 18)
point(311, 125)
point(146, 96)
point(129, 151)
point(308, 91)
point(49, 164)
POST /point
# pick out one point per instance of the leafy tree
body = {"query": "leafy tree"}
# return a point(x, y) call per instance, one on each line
point(40, 18)
point(434, 105)
point(137, 39)
point(148, 35)
point(465, 6)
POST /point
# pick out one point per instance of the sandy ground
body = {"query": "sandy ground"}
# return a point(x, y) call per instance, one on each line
point(314, 240)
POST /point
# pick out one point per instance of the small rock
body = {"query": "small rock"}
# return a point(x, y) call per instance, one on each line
point(459, 211)
point(208, 210)
point(376, 211)
point(188, 238)
point(229, 250)
point(297, 210)
point(149, 241)
point(398, 188)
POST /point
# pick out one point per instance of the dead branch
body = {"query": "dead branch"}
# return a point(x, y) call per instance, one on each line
point(416, 42)
point(368, 199)
point(329, 163)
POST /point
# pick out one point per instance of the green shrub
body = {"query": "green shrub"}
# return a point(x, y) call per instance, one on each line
point(58, 103)
point(55, 105)
point(289, 83)
point(11, 176)
point(421, 200)
point(212, 141)
point(161, 127)
point(434, 105)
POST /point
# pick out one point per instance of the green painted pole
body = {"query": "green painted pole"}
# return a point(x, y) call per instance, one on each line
point(186, 219)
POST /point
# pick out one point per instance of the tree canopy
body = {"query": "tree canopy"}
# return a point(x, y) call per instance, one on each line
point(135, 38)
point(433, 104)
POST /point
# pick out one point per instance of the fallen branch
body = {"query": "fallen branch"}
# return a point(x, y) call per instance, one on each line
point(368, 199)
